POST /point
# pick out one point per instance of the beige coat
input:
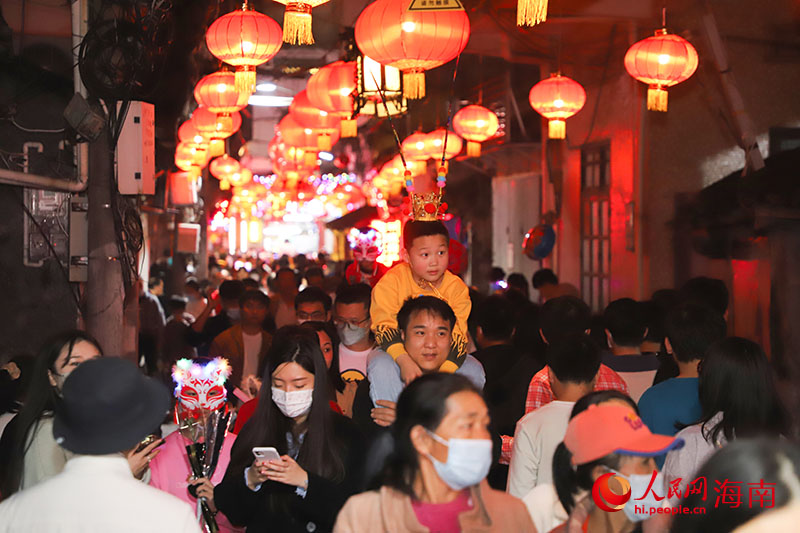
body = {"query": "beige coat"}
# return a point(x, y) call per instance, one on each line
point(389, 511)
point(230, 345)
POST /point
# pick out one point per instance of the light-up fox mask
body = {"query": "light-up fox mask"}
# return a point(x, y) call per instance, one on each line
point(201, 386)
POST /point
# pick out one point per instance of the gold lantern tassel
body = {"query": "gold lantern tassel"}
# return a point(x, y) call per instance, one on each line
point(224, 121)
point(216, 147)
point(349, 127)
point(310, 159)
point(531, 12)
point(473, 149)
point(324, 142)
point(245, 79)
point(297, 24)
point(414, 84)
point(224, 185)
point(557, 129)
point(656, 98)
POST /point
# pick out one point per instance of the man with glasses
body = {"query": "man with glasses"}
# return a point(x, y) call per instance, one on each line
point(352, 320)
point(312, 305)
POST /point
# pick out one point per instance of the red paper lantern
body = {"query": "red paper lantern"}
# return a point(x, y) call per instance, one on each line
point(661, 61)
point(188, 132)
point(245, 39)
point(434, 143)
point(191, 157)
point(224, 166)
point(209, 125)
point(218, 93)
point(412, 41)
point(309, 116)
point(415, 147)
point(297, 20)
point(557, 98)
point(332, 89)
point(297, 136)
point(475, 124)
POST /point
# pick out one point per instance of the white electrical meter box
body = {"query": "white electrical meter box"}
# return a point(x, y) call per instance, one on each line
point(136, 150)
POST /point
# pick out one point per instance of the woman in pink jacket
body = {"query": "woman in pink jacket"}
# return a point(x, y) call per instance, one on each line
point(170, 471)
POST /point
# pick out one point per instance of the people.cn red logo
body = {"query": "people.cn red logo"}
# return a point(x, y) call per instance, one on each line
point(605, 498)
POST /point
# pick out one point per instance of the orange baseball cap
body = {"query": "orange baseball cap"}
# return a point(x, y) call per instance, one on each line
point(611, 428)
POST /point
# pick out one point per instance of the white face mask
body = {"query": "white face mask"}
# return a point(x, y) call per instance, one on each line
point(638, 510)
point(468, 461)
point(351, 335)
point(293, 403)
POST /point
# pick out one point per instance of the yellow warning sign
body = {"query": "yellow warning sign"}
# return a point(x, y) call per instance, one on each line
point(435, 5)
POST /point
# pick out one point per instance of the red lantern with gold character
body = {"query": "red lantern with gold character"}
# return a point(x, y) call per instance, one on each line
point(412, 41)
point(661, 61)
point(557, 98)
point(244, 39)
point(475, 124)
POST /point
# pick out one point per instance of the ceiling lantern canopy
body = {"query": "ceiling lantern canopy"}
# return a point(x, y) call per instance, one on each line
point(475, 124)
point(309, 116)
point(332, 88)
point(661, 61)
point(244, 39)
point(415, 147)
point(557, 98)
point(412, 41)
point(297, 21)
point(218, 93)
point(434, 143)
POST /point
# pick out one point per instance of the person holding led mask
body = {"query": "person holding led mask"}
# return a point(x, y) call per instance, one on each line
point(609, 440)
point(435, 478)
point(367, 246)
point(320, 452)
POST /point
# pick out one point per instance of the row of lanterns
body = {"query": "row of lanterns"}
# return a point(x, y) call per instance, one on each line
point(660, 61)
point(399, 45)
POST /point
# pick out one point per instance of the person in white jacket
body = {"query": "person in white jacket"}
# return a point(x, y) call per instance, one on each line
point(109, 407)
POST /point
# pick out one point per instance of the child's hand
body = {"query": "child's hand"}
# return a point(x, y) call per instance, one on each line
point(409, 371)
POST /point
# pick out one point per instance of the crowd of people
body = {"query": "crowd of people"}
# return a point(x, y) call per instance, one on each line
point(401, 400)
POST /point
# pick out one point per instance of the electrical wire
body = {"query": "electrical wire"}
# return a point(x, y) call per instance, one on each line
point(34, 130)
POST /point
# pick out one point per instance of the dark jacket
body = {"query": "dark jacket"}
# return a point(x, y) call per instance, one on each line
point(508, 374)
point(316, 512)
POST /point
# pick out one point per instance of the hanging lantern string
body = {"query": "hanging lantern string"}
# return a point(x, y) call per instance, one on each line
point(391, 124)
point(664, 17)
point(450, 111)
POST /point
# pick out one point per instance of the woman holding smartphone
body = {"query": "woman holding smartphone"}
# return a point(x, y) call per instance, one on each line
point(320, 451)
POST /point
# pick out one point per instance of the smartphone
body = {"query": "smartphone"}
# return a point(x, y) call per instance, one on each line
point(266, 454)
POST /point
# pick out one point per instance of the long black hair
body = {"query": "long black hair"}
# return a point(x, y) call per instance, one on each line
point(320, 452)
point(568, 480)
point(334, 372)
point(423, 403)
point(736, 380)
point(42, 397)
point(749, 462)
